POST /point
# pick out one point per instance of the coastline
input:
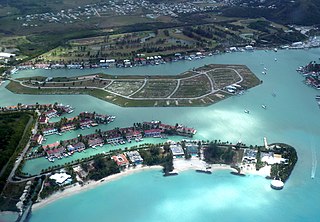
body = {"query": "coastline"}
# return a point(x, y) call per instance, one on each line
point(180, 165)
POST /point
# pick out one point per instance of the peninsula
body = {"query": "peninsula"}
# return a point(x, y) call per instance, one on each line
point(199, 87)
point(21, 190)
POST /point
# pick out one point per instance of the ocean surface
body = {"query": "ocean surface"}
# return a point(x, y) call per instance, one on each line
point(292, 117)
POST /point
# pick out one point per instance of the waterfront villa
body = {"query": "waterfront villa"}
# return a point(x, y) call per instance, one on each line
point(120, 160)
point(49, 131)
point(134, 157)
point(95, 142)
point(38, 138)
point(153, 133)
point(51, 113)
point(76, 147)
point(67, 127)
point(54, 149)
point(43, 119)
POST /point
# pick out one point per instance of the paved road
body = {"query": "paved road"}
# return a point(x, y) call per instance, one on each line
point(23, 153)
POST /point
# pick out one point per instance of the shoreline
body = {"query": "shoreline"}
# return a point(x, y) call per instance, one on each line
point(180, 165)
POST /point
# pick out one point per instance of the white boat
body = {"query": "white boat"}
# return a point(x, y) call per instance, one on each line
point(264, 106)
point(264, 73)
point(246, 111)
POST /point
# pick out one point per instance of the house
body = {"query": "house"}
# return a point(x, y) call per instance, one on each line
point(120, 160)
point(134, 157)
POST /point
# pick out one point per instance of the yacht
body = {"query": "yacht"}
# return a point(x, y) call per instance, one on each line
point(246, 111)
point(264, 106)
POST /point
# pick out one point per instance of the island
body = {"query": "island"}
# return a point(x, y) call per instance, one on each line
point(202, 86)
point(172, 148)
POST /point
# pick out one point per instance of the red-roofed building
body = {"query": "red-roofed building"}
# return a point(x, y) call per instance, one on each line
point(43, 119)
point(121, 160)
point(153, 133)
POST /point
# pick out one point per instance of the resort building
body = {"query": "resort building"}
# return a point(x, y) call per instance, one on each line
point(61, 178)
point(192, 149)
point(134, 157)
point(120, 160)
point(176, 150)
point(250, 156)
point(271, 158)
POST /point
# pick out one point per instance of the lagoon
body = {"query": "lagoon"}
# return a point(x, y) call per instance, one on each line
point(292, 117)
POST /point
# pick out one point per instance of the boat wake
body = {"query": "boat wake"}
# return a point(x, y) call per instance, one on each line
point(314, 163)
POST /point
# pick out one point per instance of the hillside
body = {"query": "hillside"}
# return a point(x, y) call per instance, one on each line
point(300, 12)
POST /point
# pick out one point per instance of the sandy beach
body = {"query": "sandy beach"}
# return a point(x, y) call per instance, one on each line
point(75, 189)
point(181, 164)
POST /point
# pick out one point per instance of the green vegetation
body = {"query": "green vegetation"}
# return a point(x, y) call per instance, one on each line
point(103, 167)
point(156, 156)
point(13, 137)
point(282, 171)
point(215, 153)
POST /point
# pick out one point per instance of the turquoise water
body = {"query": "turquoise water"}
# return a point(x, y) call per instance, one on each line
point(291, 117)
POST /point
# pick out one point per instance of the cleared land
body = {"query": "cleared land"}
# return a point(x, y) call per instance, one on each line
point(200, 87)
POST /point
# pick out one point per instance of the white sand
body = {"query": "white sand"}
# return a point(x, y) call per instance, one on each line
point(264, 171)
point(195, 164)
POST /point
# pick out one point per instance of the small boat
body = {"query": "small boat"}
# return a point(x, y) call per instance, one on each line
point(264, 73)
point(246, 111)
point(275, 59)
point(264, 106)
